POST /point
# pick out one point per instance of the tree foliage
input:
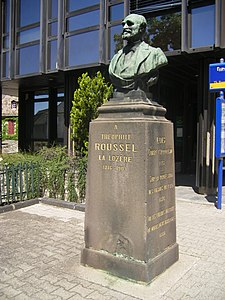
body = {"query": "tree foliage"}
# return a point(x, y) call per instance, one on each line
point(91, 93)
point(118, 40)
point(162, 31)
point(165, 32)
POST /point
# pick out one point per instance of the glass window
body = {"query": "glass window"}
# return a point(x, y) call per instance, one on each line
point(6, 16)
point(116, 12)
point(203, 26)
point(116, 41)
point(41, 95)
point(6, 42)
point(75, 4)
point(53, 29)
point(52, 50)
point(28, 59)
point(165, 31)
point(5, 67)
point(83, 48)
point(40, 127)
point(60, 120)
point(53, 12)
point(29, 35)
point(85, 20)
point(29, 12)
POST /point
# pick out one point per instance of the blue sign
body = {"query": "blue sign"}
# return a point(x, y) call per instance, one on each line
point(220, 127)
point(217, 77)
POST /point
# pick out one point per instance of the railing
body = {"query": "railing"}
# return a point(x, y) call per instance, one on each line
point(19, 182)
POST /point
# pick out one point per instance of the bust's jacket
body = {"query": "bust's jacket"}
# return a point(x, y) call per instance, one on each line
point(147, 61)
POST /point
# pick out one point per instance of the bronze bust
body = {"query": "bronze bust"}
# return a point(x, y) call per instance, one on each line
point(135, 67)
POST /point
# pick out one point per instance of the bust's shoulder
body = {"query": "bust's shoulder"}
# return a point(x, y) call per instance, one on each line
point(146, 46)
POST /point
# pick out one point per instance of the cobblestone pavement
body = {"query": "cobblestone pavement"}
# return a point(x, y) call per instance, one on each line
point(40, 250)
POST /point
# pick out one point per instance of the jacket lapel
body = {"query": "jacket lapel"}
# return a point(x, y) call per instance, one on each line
point(142, 54)
point(115, 60)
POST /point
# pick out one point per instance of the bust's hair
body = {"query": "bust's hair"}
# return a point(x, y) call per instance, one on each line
point(140, 19)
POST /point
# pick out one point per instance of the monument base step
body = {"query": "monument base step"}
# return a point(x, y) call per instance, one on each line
point(129, 268)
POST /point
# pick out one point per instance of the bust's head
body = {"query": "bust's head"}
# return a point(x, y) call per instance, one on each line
point(134, 27)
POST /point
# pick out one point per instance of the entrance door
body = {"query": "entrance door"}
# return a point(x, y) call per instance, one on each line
point(42, 119)
point(180, 100)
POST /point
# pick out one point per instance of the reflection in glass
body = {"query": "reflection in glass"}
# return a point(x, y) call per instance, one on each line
point(165, 32)
point(60, 120)
point(79, 47)
point(53, 12)
point(117, 12)
point(6, 16)
point(29, 35)
point(29, 59)
point(75, 4)
point(116, 41)
point(29, 12)
point(85, 20)
point(52, 50)
point(40, 128)
point(6, 42)
point(53, 29)
point(203, 26)
point(41, 95)
point(5, 67)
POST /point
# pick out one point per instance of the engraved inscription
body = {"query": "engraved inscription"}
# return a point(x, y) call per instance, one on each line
point(115, 148)
point(127, 147)
point(160, 177)
point(161, 213)
point(153, 152)
point(160, 188)
point(161, 224)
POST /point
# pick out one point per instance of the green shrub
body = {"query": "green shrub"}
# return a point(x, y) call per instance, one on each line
point(56, 174)
point(91, 94)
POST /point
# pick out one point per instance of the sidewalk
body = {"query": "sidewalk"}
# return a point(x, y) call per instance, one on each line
point(40, 250)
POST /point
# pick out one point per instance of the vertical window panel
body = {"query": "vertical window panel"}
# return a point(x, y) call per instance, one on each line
point(203, 26)
point(116, 12)
point(53, 29)
point(83, 48)
point(116, 41)
point(28, 60)
point(75, 4)
point(84, 20)
point(29, 35)
point(6, 16)
point(52, 52)
point(60, 120)
point(165, 31)
point(6, 42)
point(53, 12)
point(29, 12)
point(5, 67)
point(41, 116)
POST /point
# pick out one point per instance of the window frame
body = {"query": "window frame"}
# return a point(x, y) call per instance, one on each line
point(5, 34)
point(110, 24)
point(193, 5)
point(49, 38)
point(19, 46)
point(67, 34)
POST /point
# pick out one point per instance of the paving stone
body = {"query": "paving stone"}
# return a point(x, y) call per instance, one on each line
point(42, 261)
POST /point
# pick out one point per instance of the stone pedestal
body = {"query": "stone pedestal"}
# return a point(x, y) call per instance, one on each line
point(130, 221)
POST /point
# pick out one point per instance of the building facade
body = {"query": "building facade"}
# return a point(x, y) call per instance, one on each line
point(45, 45)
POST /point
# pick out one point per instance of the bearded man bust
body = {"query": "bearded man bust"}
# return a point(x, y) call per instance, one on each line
point(135, 67)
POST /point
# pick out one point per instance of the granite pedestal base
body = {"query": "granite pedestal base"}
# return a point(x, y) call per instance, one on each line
point(130, 221)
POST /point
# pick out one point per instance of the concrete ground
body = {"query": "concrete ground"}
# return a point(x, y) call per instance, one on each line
point(40, 249)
